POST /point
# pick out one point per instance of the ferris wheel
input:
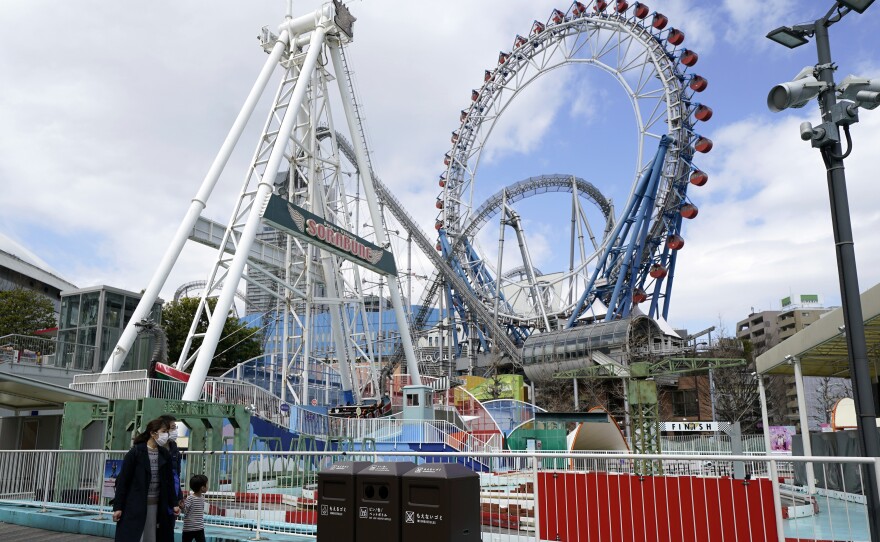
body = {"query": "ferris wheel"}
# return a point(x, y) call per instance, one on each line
point(631, 255)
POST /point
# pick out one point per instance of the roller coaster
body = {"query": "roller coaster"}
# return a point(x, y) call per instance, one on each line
point(621, 258)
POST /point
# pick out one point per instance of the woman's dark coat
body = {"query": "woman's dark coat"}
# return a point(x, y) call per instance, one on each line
point(132, 485)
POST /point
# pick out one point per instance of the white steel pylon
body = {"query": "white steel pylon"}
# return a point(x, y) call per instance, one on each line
point(290, 139)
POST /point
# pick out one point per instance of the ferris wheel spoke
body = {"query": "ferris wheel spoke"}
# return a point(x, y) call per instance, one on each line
point(649, 125)
point(632, 61)
point(607, 46)
point(656, 114)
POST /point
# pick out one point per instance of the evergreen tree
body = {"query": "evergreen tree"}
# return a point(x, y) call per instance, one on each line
point(23, 312)
point(238, 341)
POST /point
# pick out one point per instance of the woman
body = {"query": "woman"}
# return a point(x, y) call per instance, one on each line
point(145, 490)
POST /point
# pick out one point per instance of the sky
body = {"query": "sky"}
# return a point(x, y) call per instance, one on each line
point(110, 117)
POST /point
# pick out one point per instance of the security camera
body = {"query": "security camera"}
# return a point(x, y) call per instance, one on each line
point(865, 92)
point(796, 93)
point(807, 131)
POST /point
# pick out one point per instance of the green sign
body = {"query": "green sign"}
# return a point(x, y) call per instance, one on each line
point(311, 228)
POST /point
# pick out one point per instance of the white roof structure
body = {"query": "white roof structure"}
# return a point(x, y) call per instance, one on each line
point(33, 270)
point(821, 347)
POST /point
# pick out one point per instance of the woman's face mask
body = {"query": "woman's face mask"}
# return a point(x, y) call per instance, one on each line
point(162, 438)
point(172, 435)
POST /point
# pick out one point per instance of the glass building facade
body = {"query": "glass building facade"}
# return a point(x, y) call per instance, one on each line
point(91, 322)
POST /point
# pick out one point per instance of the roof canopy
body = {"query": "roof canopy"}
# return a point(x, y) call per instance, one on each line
point(821, 346)
point(21, 393)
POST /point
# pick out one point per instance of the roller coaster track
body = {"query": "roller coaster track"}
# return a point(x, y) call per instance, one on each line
point(515, 192)
point(475, 304)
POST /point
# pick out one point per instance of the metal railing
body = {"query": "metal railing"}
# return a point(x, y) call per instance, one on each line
point(709, 444)
point(27, 343)
point(110, 377)
point(133, 389)
point(548, 496)
point(136, 385)
point(396, 430)
point(46, 352)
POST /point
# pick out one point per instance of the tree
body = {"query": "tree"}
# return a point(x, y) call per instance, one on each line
point(238, 342)
point(829, 390)
point(737, 398)
point(554, 395)
point(23, 312)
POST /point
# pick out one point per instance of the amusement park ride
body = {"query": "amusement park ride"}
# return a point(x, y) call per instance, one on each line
point(314, 183)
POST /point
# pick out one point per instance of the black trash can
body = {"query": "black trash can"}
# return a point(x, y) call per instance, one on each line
point(336, 501)
point(441, 503)
point(379, 501)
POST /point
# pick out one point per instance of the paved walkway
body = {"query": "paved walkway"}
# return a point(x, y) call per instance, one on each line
point(16, 532)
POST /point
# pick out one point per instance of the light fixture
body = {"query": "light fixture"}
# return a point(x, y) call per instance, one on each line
point(859, 6)
point(786, 35)
point(797, 93)
point(864, 92)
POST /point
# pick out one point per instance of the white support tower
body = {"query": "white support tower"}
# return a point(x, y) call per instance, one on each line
point(297, 158)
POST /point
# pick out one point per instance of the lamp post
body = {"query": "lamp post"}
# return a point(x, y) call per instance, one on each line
point(826, 137)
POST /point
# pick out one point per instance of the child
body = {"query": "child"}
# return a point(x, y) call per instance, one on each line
point(194, 508)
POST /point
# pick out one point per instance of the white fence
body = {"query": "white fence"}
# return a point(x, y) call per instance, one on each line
point(711, 444)
point(529, 496)
point(138, 388)
point(136, 385)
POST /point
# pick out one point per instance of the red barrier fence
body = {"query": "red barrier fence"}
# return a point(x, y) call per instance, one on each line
point(598, 507)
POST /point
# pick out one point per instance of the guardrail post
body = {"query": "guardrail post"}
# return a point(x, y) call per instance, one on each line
point(101, 460)
point(49, 470)
point(877, 473)
point(537, 504)
point(777, 500)
point(259, 496)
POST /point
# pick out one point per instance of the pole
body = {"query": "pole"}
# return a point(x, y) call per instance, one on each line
point(774, 475)
point(199, 202)
point(348, 105)
point(863, 393)
point(409, 303)
point(501, 223)
point(306, 333)
point(805, 427)
point(574, 217)
point(380, 339)
point(248, 234)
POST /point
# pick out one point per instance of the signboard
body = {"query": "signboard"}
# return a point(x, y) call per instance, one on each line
point(311, 228)
point(285, 408)
point(690, 426)
point(112, 468)
point(780, 438)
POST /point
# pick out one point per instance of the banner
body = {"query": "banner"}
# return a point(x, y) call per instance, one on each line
point(312, 229)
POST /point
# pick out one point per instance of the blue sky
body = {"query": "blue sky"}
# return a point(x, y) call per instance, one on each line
point(110, 123)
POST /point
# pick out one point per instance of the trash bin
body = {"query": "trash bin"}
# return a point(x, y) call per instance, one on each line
point(441, 503)
point(336, 501)
point(379, 500)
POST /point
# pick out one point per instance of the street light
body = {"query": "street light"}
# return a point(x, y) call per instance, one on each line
point(826, 138)
point(788, 36)
point(858, 6)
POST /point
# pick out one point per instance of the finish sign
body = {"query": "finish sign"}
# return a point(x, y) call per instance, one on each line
point(311, 228)
point(690, 426)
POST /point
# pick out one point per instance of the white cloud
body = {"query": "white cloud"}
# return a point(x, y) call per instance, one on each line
point(110, 125)
point(764, 227)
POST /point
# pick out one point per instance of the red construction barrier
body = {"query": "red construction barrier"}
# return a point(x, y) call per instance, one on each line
point(268, 498)
point(497, 519)
point(306, 517)
point(594, 506)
